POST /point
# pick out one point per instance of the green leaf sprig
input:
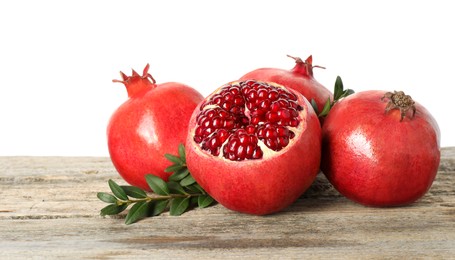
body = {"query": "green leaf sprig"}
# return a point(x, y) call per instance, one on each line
point(177, 195)
point(338, 93)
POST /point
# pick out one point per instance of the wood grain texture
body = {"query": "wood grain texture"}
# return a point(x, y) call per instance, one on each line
point(50, 210)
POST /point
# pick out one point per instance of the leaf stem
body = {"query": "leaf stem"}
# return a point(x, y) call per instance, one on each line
point(157, 198)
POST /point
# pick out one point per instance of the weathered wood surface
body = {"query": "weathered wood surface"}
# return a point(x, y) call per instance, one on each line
point(49, 210)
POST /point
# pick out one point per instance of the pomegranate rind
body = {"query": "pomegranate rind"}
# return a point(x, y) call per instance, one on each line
point(261, 186)
point(374, 158)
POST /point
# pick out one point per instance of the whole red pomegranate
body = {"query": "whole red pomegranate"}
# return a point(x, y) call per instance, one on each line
point(152, 122)
point(380, 148)
point(254, 146)
point(300, 78)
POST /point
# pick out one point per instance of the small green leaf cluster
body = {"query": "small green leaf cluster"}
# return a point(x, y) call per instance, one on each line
point(338, 93)
point(177, 195)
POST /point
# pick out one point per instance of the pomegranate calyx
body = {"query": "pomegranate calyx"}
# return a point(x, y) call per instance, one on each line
point(297, 59)
point(399, 100)
point(304, 67)
point(137, 83)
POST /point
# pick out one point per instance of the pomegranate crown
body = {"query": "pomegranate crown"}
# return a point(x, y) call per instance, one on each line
point(136, 83)
point(304, 67)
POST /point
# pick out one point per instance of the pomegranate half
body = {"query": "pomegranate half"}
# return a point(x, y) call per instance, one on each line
point(151, 123)
point(255, 147)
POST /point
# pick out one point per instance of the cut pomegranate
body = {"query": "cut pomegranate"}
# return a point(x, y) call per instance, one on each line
point(256, 139)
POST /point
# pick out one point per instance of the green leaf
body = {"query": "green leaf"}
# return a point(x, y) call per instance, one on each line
point(106, 197)
point(134, 192)
point(179, 175)
point(182, 152)
point(187, 181)
point(195, 188)
point(179, 206)
point(174, 159)
point(157, 184)
point(113, 209)
point(194, 200)
point(204, 201)
point(338, 91)
point(315, 106)
point(326, 109)
point(159, 207)
point(174, 168)
point(347, 92)
point(175, 187)
point(117, 190)
point(138, 211)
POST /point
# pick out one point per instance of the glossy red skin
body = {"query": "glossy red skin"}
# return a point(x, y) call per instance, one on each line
point(151, 123)
point(374, 159)
point(300, 78)
point(262, 186)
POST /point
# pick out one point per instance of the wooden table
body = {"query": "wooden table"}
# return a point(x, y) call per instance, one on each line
point(49, 209)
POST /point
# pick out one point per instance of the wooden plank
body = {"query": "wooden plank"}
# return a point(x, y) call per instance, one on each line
point(50, 210)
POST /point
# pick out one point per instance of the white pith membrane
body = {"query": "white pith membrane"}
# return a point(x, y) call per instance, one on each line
point(295, 128)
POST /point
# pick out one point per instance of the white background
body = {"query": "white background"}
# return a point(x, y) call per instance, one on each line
point(57, 58)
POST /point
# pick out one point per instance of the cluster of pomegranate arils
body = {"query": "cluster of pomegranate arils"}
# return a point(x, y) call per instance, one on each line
point(242, 113)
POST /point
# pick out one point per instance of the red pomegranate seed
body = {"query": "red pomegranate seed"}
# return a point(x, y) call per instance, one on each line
point(257, 154)
point(249, 151)
point(272, 117)
point(252, 95)
point(261, 132)
point(284, 113)
point(283, 141)
point(210, 113)
point(283, 103)
point(275, 107)
point(207, 123)
point(217, 122)
point(223, 114)
point(251, 129)
point(294, 123)
point(218, 101)
point(234, 90)
point(255, 120)
point(265, 104)
point(241, 153)
point(229, 124)
point(282, 131)
point(273, 95)
point(214, 142)
point(270, 133)
point(271, 143)
point(236, 110)
point(262, 94)
point(199, 131)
